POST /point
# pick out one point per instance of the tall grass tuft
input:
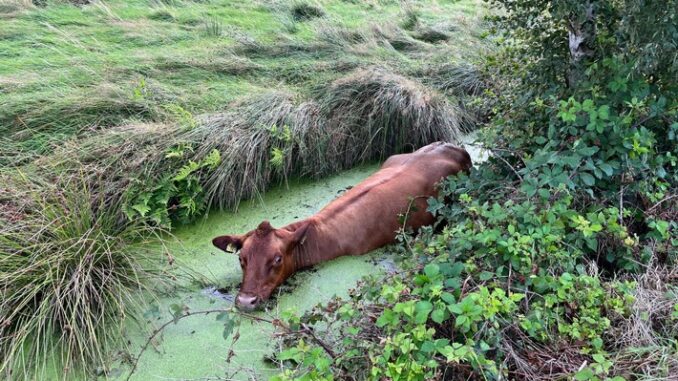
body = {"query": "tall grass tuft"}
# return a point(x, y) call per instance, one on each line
point(304, 10)
point(37, 125)
point(378, 113)
point(69, 277)
point(369, 114)
point(366, 39)
point(456, 79)
point(410, 14)
point(213, 27)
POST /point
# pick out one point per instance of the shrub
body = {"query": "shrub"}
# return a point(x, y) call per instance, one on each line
point(542, 254)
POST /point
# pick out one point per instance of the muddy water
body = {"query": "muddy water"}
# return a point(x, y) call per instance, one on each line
point(194, 348)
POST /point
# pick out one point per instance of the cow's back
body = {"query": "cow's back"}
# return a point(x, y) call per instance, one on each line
point(366, 216)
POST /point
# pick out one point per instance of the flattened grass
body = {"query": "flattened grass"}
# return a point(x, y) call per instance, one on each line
point(56, 59)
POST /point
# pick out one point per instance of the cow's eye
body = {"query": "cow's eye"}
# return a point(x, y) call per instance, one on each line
point(277, 260)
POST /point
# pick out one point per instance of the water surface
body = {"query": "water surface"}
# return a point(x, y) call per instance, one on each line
point(194, 348)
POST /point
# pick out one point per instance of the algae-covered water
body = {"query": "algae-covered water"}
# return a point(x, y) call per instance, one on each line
point(194, 347)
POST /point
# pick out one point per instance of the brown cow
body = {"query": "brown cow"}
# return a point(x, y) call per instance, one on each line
point(363, 219)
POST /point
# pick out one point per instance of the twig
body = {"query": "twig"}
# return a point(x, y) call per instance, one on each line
point(406, 217)
point(326, 347)
point(661, 202)
point(276, 323)
point(643, 120)
point(621, 206)
point(509, 165)
point(160, 329)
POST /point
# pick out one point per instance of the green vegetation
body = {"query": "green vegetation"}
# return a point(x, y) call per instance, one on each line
point(556, 258)
point(69, 69)
point(122, 119)
point(69, 276)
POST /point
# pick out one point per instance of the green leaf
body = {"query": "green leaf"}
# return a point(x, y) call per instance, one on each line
point(587, 178)
point(604, 112)
point(422, 309)
point(290, 354)
point(387, 317)
point(607, 168)
point(529, 189)
point(461, 319)
point(212, 160)
point(143, 209)
point(177, 311)
point(448, 298)
point(438, 316)
point(228, 329)
point(431, 270)
point(584, 375)
point(455, 308)
point(186, 170)
point(486, 275)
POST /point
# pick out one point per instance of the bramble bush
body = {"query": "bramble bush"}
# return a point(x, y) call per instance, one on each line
point(537, 267)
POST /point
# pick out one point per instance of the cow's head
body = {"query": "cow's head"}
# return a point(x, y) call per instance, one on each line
point(266, 257)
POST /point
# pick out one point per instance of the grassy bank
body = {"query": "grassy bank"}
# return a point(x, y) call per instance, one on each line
point(122, 118)
point(68, 69)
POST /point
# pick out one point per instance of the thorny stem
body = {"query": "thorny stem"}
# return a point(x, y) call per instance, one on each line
point(509, 165)
point(405, 218)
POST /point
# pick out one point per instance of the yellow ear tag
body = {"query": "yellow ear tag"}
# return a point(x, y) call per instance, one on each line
point(231, 247)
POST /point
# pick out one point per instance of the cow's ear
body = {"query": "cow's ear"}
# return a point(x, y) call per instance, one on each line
point(299, 234)
point(229, 243)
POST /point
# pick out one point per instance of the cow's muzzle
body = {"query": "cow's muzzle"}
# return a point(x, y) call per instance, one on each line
point(247, 302)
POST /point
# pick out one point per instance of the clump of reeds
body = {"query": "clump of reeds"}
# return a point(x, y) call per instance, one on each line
point(378, 113)
point(369, 114)
point(410, 15)
point(305, 10)
point(213, 27)
point(431, 35)
point(39, 122)
point(69, 277)
point(456, 79)
point(112, 161)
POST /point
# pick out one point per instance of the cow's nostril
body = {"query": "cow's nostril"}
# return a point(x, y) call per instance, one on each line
point(247, 301)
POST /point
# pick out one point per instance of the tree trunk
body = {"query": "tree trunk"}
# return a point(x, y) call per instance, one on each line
point(581, 37)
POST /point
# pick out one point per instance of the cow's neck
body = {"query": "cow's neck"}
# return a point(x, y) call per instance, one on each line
point(317, 246)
